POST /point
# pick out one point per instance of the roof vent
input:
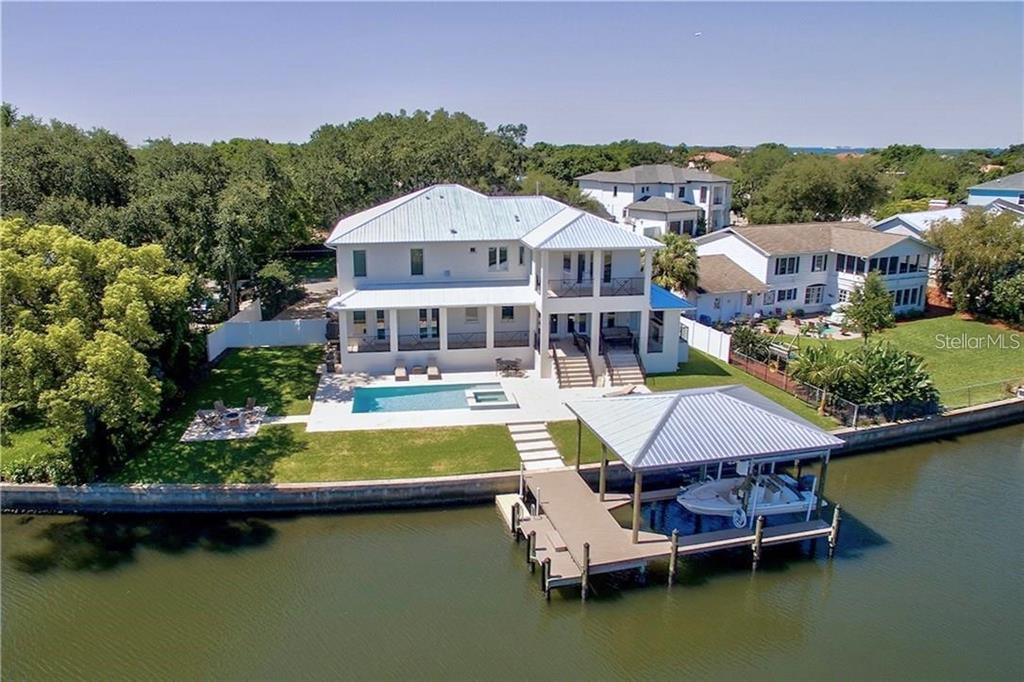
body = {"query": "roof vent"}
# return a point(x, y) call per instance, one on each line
point(517, 219)
point(453, 230)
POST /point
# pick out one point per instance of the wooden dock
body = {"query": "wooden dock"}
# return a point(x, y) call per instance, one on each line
point(572, 535)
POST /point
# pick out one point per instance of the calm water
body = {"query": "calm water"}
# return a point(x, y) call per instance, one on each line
point(928, 585)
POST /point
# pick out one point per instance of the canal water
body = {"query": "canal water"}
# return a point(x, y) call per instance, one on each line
point(927, 585)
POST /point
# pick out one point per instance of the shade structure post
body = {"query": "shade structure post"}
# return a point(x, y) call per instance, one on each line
point(585, 577)
point(579, 441)
point(602, 481)
point(833, 533)
point(674, 557)
point(821, 484)
point(637, 484)
point(758, 538)
point(515, 521)
point(531, 540)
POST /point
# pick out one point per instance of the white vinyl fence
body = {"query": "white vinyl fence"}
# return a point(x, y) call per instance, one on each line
point(706, 339)
point(247, 330)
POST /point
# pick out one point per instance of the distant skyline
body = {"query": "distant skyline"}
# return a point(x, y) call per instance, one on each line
point(814, 74)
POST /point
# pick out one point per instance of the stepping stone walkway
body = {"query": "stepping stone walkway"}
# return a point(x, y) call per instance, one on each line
point(535, 447)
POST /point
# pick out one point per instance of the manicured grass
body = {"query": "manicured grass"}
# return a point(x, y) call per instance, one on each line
point(704, 370)
point(307, 269)
point(283, 379)
point(564, 435)
point(287, 454)
point(997, 357)
point(26, 443)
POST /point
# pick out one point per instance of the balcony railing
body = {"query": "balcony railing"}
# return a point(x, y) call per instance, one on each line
point(457, 340)
point(570, 288)
point(368, 344)
point(623, 286)
point(414, 342)
point(511, 339)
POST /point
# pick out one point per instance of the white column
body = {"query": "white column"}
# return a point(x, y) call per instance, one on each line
point(532, 313)
point(442, 327)
point(597, 272)
point(343, 331)
point(645, 323)
point(545, 340)
point(648, 271)
point(393, 329)
point(542, 257)
point(490, 325)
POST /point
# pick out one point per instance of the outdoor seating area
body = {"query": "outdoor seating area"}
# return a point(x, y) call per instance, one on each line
point(509, 368)
point(225, 423)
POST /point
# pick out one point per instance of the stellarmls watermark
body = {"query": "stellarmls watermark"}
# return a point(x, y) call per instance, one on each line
point(1007, 341)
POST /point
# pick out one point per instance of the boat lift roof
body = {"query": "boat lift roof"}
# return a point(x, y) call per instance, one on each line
point(699, 426)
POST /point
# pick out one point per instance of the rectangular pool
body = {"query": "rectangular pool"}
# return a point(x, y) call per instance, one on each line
point(423, 397)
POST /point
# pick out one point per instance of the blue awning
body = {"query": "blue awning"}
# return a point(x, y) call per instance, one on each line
point(663, 299)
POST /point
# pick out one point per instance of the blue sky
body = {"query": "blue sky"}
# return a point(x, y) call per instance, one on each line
point(948, 75)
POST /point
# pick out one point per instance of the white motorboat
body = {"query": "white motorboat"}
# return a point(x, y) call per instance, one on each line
point(743, 497)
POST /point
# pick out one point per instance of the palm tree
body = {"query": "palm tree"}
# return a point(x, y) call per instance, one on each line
point(824, 367)
point(675, 266)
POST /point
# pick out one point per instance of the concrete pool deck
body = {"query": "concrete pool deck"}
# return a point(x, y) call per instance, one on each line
point(539, 400)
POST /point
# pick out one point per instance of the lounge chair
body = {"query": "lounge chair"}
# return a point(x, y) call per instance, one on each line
point(433, 373)
point(401, 373)
point(620, 391)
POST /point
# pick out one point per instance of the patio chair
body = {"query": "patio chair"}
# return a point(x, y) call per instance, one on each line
point(249, 412)
point(620, 391)
point(433, 373)
point(210, 419)
point(401, 373)
point(218, 407)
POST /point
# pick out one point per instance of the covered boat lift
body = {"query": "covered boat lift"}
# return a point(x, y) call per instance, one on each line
point(569, 529)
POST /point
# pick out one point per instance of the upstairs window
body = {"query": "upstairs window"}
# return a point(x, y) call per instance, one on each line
point(682, 192)
point(819, 263)
point(497, 258)
point(472, 315)
point(522, 254)
point(359, 263)
point(704, 194)
point(606, 273)
point(508, 313)
point(615, 190)
point(787, 266)
point(416, 261)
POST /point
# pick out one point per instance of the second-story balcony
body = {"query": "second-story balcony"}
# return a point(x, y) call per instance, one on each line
point(570, 287)
point(623, 286)
point(614, 286)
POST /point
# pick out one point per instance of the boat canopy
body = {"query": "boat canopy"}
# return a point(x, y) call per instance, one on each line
point(700, 426)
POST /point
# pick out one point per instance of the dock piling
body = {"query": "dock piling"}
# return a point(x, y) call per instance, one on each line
point(673, 557)
point(515, 521)
point(545, 574)
point(585, 577)
point(833, 533)
point(531, 540)
point(758, 537)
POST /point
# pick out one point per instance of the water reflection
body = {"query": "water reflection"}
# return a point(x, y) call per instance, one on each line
point(103, 543)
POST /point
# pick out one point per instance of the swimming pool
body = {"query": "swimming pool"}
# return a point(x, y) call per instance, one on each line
point(418, 398)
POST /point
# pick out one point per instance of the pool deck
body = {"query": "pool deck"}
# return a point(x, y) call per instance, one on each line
point(539, 400)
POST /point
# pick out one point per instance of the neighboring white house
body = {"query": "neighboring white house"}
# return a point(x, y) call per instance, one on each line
point(627, 195)
point(451, 274)
point(1009, 188)
point(806, 266)
point(918, 223)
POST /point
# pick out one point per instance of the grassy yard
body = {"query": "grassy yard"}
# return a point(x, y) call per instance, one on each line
point(25, 443)
point(954, 368)
point(311, 269)
point(287, 454)
point(564, 435)
point(283, 379)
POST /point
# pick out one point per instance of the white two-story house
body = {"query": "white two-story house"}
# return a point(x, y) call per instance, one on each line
point(657, 199)
point(449, 275)
point(772, 270)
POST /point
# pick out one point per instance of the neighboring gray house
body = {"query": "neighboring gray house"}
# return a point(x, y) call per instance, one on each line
point(1009, 188)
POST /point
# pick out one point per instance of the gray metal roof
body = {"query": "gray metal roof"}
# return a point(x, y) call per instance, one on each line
point(661, 173)
point(698, 426)
point(662, 205)
point(1010, 182)
point(575, 229)
point(445, 213)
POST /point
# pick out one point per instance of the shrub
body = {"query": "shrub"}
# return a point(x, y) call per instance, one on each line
point(277, 288)
point(772, 325)
point(749, 342)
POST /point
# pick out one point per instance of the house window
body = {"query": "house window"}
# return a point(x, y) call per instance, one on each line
point(623, 213)
point(615, 190)
point(673, 226)
point(812, 294)
point(428, 322)
point(750, 299)
point(359, 319)
point(472, 315)
point(688, 227)
point(606, 274)
point(359, 263)
point(567, 262)
point(682, 192)
point(382, 332)
point(787, 266)
point(786, 295)
point(609, 319)
point(508, 313)
point(416, 261)
point(497, 258)
point(704, 194)
point(718, 195)
point(819, 263)
point(645, 190)
point(1020, 199)
point(553, 324)
point(717, 303)
point(844, 295)
point(769, 297)
point(522, 254)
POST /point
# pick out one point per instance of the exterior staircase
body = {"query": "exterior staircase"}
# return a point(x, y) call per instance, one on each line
point(624, 368)
point(572, 366)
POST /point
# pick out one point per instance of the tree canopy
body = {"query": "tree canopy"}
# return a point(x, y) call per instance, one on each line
point(870, 307)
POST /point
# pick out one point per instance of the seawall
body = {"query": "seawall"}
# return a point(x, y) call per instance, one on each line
point(420, 492)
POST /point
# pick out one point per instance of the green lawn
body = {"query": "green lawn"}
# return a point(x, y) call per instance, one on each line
point(287, 454)
point(26, 443)
point(283, 379)
point(307, 269)
point(954, 368)
point(564, 435)
point(704, 370)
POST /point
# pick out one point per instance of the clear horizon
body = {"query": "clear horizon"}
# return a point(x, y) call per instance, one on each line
point(807, 75)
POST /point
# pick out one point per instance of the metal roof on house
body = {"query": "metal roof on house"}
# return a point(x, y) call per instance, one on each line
point(1009, 182)
point(662, 205)
point(718, 274)
point(445, 213)
point(854, 238)
point(922, 221)
point(663, 299)
point(434, 296)
point(699, 426)
point(661, 173)
point(574, 229)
